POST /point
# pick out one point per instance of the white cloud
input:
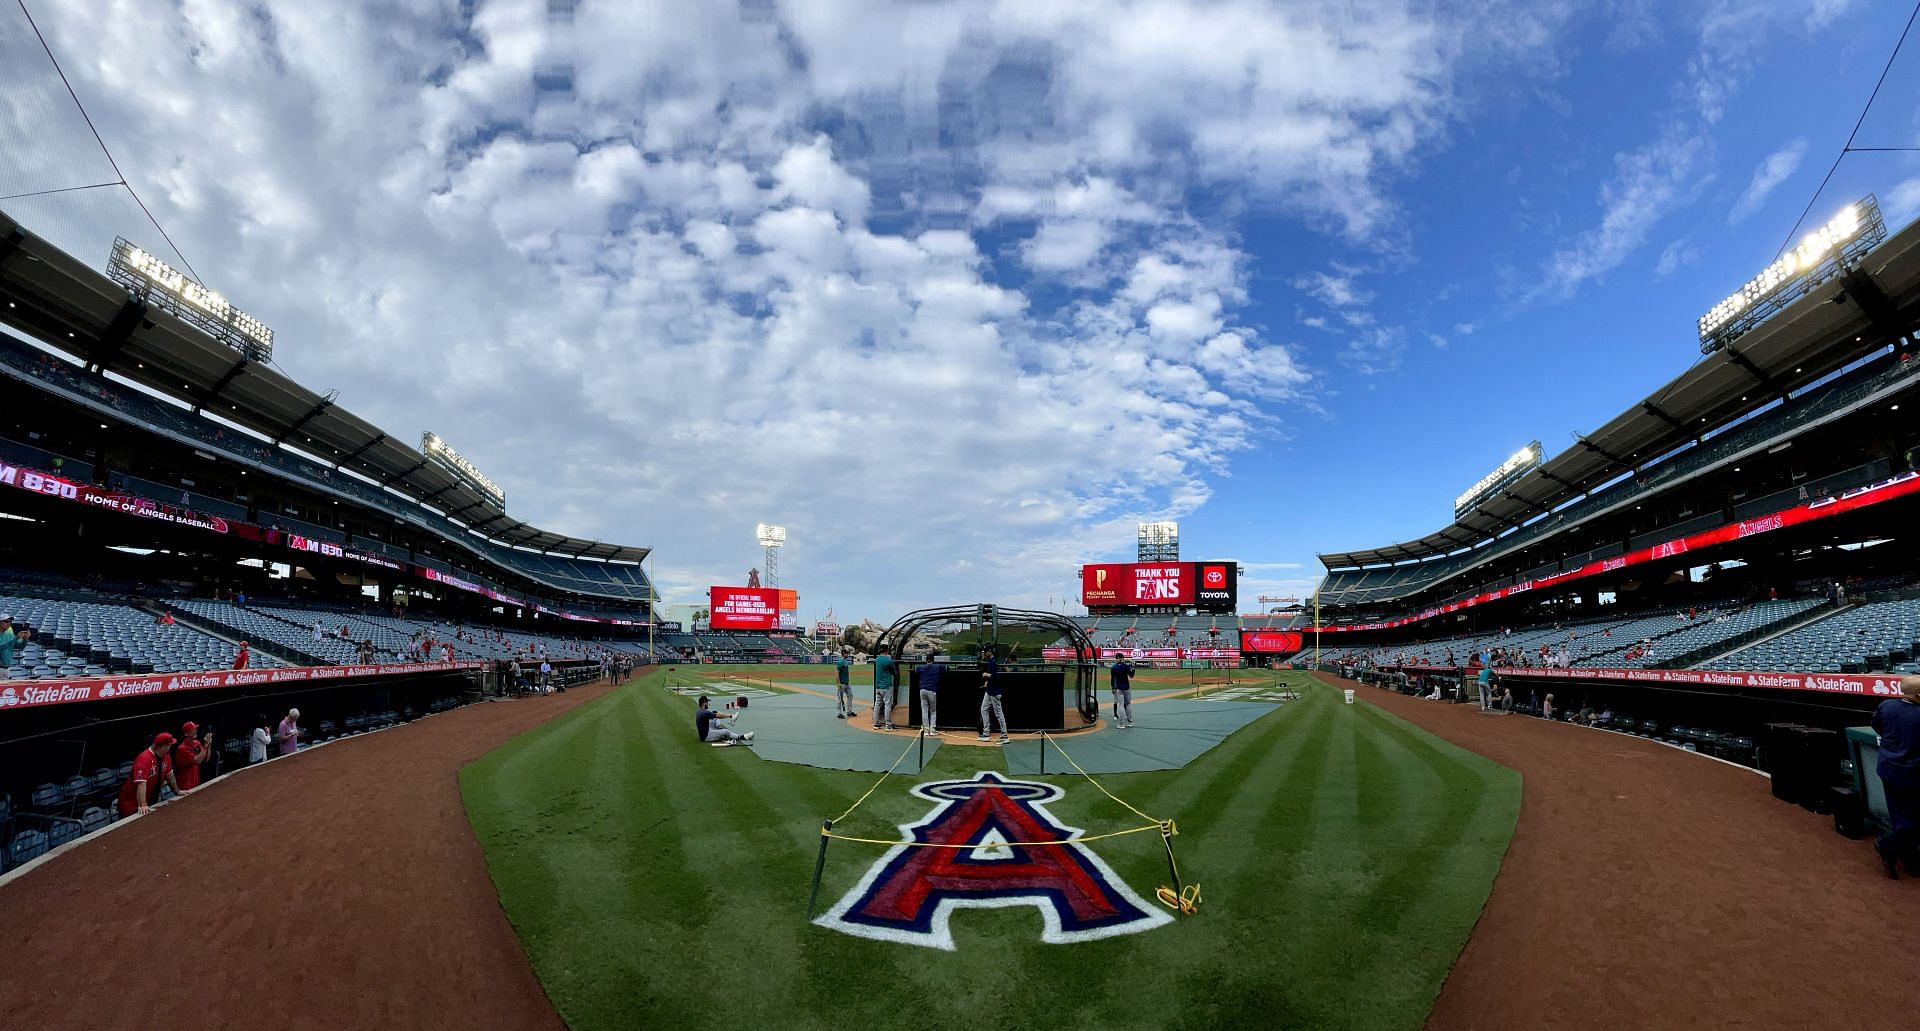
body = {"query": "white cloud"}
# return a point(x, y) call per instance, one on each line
point(1647, 184)
point(1652, 181)
point(1770, 173)
point(666, 271)
point(1676, 256)
point(1901, 204)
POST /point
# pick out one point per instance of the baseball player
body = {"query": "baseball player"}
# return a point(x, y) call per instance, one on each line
point(1120, 680)
point(883, 691)
point(843, 673)
point(930, 672)
point(990, 705)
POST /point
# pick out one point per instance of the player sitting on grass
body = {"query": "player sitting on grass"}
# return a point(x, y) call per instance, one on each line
point(707, 722)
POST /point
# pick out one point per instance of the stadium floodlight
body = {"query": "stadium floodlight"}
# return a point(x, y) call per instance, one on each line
point(167, 288)
point(443, 455)
point(1158, 542)
point(1821, 254)
point(1516, 465)
point(772, 539)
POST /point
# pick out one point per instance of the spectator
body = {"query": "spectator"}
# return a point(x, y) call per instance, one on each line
point(151, 768)
point(166, 618)
point(288, 733)
point(319, 632)
point(1897, 721)
point(188, 754)
point(242, 657)
point(11, 637)
point(707, 722)
point(240, 598)
point(261, 738)
point(366, 652)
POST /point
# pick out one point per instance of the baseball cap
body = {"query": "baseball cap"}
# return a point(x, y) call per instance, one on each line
point(189, 727)
point(6, 617)
point(163, 739)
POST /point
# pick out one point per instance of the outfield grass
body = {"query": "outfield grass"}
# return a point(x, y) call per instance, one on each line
point(1343, 856)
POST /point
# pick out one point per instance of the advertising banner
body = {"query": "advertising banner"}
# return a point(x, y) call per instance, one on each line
point(29, 693)
point(1219, 585)
point(36, 482)
point(743, 608)
point(1270, 642)
point(1137, 584)
point(1882, 685)
point(789, 600)
point(1847, 501)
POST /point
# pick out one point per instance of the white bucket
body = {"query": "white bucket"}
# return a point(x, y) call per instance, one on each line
point(1349, 693)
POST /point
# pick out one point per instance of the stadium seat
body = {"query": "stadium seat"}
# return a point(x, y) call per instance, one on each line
point(27, 845)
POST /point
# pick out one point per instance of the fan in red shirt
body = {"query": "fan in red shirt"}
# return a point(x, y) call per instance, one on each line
point(187, 757)
point(242, 657)
point(152, 767)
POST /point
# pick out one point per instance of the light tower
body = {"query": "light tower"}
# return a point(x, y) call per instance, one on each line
point(1159, 542)
point(772, 539)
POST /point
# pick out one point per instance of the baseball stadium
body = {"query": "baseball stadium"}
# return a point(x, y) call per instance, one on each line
point(300, 727)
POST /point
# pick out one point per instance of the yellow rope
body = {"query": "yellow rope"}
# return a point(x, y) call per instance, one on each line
point(995, 844)
point(1095, 783)
point(877, 783)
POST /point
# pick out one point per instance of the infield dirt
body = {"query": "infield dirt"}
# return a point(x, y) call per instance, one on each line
point(1648, 887)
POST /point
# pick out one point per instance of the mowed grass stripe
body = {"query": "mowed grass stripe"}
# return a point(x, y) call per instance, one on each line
point(657, 881)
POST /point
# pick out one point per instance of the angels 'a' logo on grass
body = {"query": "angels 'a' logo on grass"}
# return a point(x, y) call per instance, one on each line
point(910, 894)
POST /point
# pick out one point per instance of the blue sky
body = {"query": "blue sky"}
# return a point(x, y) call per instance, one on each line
point(960, 291)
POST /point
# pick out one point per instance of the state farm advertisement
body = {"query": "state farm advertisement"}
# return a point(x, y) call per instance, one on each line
point(1880, 685)
point(1270, 642)
point(743, 608)
point(16, 694)
point(1137, 584)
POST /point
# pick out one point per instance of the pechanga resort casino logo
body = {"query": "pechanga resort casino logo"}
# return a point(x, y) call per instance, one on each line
point(988, 827)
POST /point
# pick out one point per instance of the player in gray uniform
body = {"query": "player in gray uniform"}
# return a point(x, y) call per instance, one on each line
point(843, 676)
point(990, 704)
point(883, 691)
point(929, 675)
point(1120, 680)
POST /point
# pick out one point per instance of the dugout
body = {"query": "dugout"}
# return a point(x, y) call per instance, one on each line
point(65, 744)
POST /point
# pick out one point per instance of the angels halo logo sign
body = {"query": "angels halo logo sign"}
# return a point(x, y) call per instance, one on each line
point(909, 895)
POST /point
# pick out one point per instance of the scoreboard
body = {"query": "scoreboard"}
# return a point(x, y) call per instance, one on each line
point(1205, 586)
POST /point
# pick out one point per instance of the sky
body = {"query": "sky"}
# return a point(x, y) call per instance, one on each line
point(959, 292)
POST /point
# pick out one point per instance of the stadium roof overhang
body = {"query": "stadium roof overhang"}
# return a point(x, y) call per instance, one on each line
point(59, 300)
point(1835, 324)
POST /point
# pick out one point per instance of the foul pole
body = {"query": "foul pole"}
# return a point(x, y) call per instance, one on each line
point(1316, 626)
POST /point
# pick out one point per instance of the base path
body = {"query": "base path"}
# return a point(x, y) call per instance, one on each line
point(1650, 887)
point(338, 888)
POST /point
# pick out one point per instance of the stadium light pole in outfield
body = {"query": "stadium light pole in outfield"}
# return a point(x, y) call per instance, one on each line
point(772, 539)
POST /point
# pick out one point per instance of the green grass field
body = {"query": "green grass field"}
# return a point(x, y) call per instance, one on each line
point(1343, 856)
